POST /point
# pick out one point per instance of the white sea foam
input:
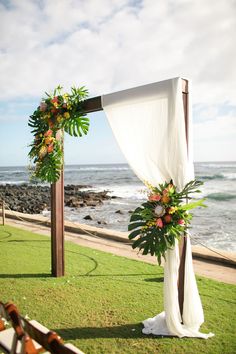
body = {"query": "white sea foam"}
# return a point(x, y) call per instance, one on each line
point(229, 175)
point(13, 182)
point(96, 168)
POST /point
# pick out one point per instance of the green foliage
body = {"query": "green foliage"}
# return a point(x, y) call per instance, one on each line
point(164, 218)
point(56, 113)
point(100, 303)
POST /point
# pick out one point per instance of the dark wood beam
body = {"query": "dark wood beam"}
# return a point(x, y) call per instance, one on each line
point(93, 104)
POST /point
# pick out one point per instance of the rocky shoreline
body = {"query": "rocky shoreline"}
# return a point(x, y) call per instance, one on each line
point(33, 199)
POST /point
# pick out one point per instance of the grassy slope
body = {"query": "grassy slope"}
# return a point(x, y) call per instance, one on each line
point(100, 303)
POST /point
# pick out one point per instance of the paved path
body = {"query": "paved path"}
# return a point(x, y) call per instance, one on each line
point(209, 269)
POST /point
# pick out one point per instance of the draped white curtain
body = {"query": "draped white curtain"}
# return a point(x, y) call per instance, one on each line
point(148, 124)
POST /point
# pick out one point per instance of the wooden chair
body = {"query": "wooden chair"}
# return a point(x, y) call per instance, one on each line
point(29, 337)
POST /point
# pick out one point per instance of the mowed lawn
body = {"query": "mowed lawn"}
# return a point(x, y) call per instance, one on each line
point(100, 303)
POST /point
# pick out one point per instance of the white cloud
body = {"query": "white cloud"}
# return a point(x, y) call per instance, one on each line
point(110, 45)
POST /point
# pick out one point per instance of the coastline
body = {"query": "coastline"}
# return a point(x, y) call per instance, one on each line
point(228, 259)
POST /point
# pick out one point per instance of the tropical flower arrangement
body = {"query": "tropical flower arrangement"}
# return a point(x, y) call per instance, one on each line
point(163, 218)
point(57, 113)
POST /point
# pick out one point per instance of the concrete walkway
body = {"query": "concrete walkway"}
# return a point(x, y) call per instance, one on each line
point(207, 265)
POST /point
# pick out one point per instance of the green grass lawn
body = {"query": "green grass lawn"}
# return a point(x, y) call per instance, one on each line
point(100, 303)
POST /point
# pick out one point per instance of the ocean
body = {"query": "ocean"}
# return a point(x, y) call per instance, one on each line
point(213, 226)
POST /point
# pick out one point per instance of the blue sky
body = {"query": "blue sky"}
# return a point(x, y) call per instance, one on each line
point(108, 45)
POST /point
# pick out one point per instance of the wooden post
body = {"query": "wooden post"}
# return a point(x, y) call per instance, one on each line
point(3, 213)
point(57, 205)
point(182, 243)
point(57, 227)
point(57, 224)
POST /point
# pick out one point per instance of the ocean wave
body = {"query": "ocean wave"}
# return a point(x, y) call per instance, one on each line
point(12, 172)
point(14, 182)
point(223, 175)
point(221, 196)
point(217, 164)
point(210, 177)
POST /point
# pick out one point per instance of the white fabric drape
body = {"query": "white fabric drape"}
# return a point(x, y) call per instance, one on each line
point(148, 124)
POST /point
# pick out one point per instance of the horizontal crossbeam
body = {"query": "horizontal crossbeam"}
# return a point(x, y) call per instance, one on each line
point(94, 104)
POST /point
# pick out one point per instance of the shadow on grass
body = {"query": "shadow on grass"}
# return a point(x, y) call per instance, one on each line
point(122, 331)
point(158, 280)
point(155, 280)
point(9, 234)
point(28, 241)
point(18, 276)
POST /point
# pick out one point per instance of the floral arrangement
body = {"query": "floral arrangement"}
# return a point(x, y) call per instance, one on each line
point(163, 218)
point(57, 113)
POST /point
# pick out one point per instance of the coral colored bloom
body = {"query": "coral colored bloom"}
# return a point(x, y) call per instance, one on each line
point(181, 222)
point(167, 218)
point(50, 148)
point(165, 191)
point(54, 100)
point(159, 223)
point(48, 133)
point(154, 197)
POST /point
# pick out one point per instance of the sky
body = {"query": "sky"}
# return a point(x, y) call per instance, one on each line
point(109, 45)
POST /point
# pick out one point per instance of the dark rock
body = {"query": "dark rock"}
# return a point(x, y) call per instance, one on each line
point(88, 217)
point(32, 199)
point(101, 222)
point(119, 212)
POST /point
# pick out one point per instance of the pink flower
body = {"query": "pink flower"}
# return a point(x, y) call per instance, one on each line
point(181, 222)
point(48, 133)
point(159, 223)
point(154, 197)
point(43, 106)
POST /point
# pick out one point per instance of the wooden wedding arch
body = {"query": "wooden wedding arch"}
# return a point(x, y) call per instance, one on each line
point(57, 204)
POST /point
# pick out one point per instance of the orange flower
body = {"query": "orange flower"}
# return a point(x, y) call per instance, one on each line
point(165, 199)
point(48, 140)
point(167, 218)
